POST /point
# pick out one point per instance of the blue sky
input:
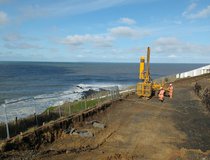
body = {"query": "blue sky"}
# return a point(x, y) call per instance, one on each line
point(105, 30)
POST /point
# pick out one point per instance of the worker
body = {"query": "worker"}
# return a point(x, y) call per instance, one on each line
point(171, 88)
point(161, 94)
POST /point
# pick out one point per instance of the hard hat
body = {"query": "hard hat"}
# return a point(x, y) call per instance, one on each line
point(161, 87)
point(170, 84)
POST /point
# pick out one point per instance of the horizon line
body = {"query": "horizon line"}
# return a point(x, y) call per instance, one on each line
point(102, 62)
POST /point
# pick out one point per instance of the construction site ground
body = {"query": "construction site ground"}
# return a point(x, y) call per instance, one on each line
point(139, 129)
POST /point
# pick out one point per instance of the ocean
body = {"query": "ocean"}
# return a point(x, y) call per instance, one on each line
point(44, 84)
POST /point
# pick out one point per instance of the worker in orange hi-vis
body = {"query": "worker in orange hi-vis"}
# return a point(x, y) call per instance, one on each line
point(161, 94)
point(171, 89)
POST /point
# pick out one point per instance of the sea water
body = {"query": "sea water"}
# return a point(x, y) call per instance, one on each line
point(44, 84)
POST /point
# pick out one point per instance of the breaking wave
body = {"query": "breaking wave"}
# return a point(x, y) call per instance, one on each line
point(26, 106)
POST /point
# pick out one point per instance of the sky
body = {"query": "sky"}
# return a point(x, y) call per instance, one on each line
point(177, 31)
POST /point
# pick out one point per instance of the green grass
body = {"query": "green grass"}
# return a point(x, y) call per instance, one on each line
point(50, 108)
point(80, 105)
point(76, 106)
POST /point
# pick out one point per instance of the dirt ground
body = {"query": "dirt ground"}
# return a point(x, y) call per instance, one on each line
point(138, 129)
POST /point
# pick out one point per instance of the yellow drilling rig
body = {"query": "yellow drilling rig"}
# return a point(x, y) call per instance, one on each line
point(146, 88)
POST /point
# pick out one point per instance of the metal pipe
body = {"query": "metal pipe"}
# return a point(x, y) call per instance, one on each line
point(148, 65)
point(6, 121)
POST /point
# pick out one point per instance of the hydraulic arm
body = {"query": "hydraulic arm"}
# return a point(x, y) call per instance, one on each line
point(146, 87)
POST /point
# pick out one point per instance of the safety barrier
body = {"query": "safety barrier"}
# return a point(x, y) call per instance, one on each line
point(15, 123)
point(195, 72)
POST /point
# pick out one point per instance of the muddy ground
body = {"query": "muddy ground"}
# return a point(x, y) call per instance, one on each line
point(138, 129)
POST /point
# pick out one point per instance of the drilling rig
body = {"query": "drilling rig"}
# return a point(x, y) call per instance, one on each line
point(146, 88)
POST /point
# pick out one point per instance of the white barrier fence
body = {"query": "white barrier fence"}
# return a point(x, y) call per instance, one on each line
point(195, 72)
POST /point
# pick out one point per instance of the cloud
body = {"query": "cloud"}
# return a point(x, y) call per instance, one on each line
point(172, 47)
point(103, 40)
point(96, 40)
point(12, 37)
point(18, 41)
point(4, 1)
point(6, 53)
point(22, 46)
point(189, 9)
point(204, 13)
point(127, 21)
point(172, 56)
point(80, 56)
point(127, 32)
point(169, 41)
point(3, 18)
point(201, 14)
point(66, 7)
point(177, 22)
point(124, 32)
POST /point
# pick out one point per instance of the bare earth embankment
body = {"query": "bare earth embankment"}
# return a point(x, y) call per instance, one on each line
point(139, 129)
